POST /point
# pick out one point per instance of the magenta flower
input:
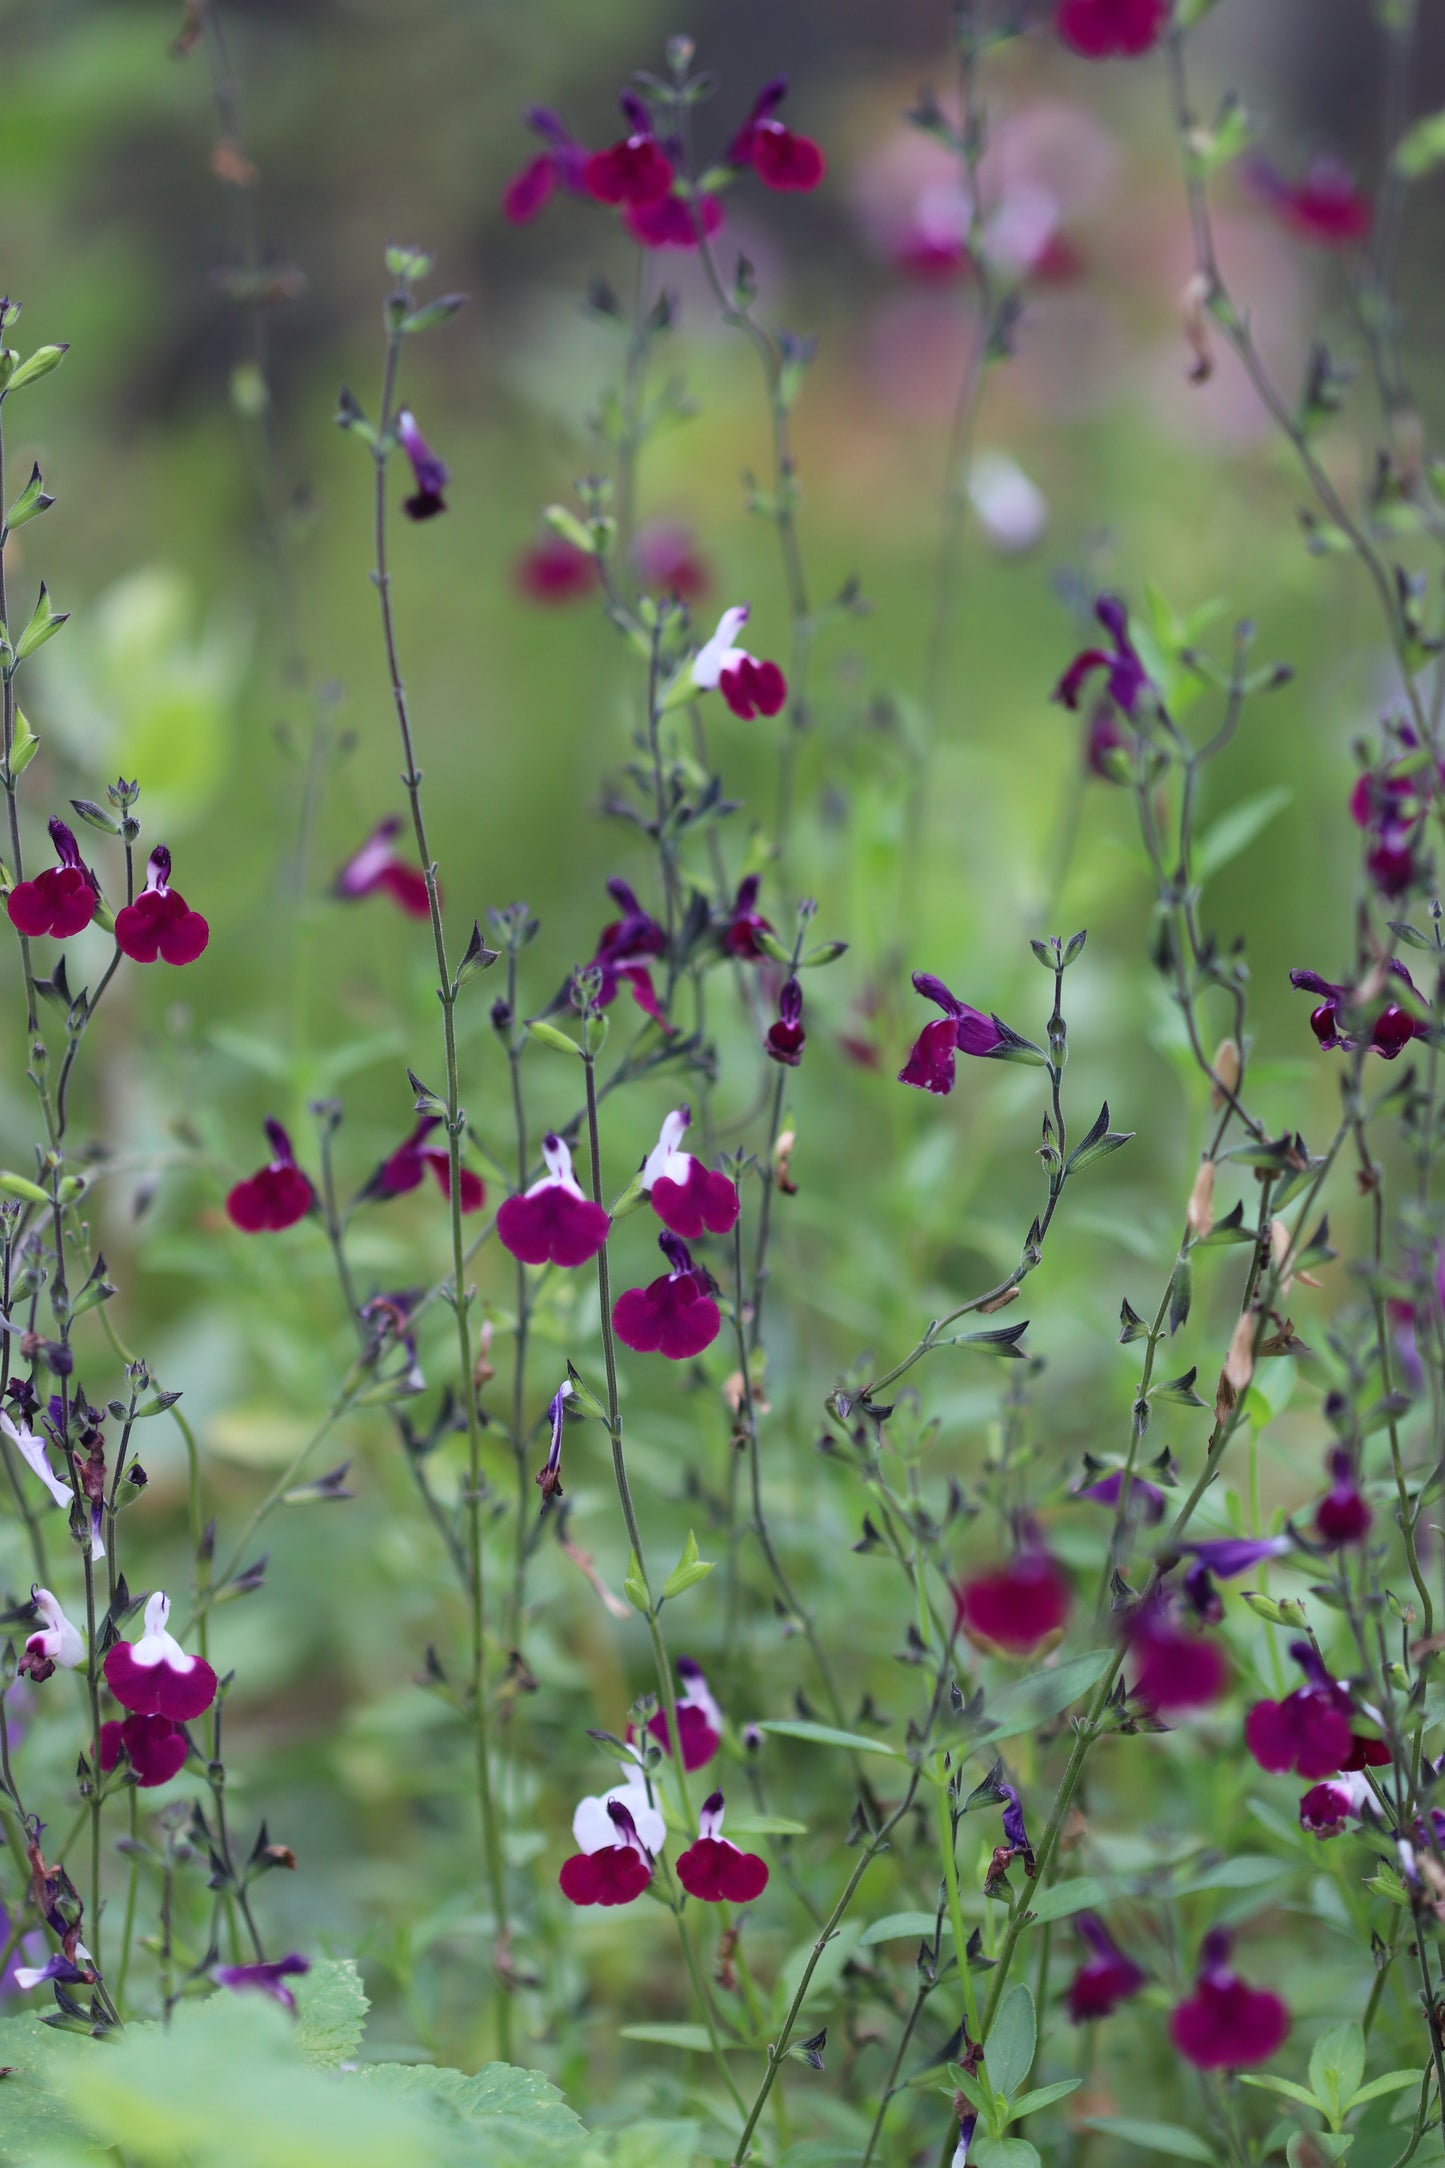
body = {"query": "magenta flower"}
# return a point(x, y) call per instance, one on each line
point(625, 949)
point(963, 1030)
point(60, 901)
point(1327, 1809)
point(742, 935)
point(1174, 1668)
point(672, 223)
point(780, 158)
point(614, 1873)
point(1225, 2025)
point(1126, 680)
point(667, 561)
point(1391, 808)
point(552, 1223)
point(408, 1164)
point(786, 1037)
point(57, 1641)
point(154, 1676)
point(1109, 29)
point(1231, 1555)
point(1146, 1499)
point(1310, 1732)
point(682, 1192)
point(555, 570)
point(1343, 1515)
point(748, 686)
point(428, 472)
point(59, 1967)
point(1106, 1978)
point(277, 1195)
point(1325, 207)
point(160, 922)
point(635, 172)
point(674, 1315)
point(1017, 1605)
point(155, 1748)
point(1392, 1030)
point(267, 1978)
point(561, 164)
point(716, 1871)
point(376, 867)
point(699, 1719)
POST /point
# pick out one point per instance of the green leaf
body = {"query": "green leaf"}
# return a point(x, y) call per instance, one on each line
point(1030, 1702)
point(1231, 835)
point(1097, 1143)
point(1086, 1894)
point(826, 1735)
point(764, 1825)
point(897, 1926)
point(1008, 2052)
point(432, 313)
point(1394, 2081)
point(571, 528)
point(557, 1040)
point(43, 626)
point(692, 2038)
point(689, 1570)
point(1002, 2153)
point(1337, 2065)
point(1422, 147)
point(1165, 2138)
point(1308, 2148)
point(331, 2007)
point(40, 363)
point(1043, 2096)
point(24, 745)
point(634, 1588)
point(1286, 2087)
point(16, 1185)
point(507, 2117)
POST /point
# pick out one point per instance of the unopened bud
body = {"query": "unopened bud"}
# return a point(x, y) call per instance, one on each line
point(1194, 316)
point(1226, 1069)
point(1201, 1201)
point(1239, 1362)
point(782, 1156)
point(483, 1370)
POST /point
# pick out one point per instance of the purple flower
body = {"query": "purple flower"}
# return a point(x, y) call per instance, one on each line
point(1229, 1555)
point(1175, 1669)
point(376, 866)
point(59, 1967)
point(560, 165)
point(1146, 1498)
point(1127, 680)
point(1392, 1030)
point(1225, 2025)
point(742, 935)
point(549, 1476)
point(1017, 1605)
point(552, 1222)
point(605, 1873)
point(270, 1978)
point(1311, 1731)
point(625, 948)
point(1327, 1809)
point(429, 472)
point(683, 1193)
point(699, 1719)
point(154, 1676)
point(716, 1871)
point(58, 1642)
point(786, 1038)
point(964, 1030)
point(674, 1315)
point(1106, 1978)
point(1343, 1515)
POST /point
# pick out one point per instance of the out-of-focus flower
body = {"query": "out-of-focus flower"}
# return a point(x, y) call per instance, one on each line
point(674, 1315)
point(626, 947)
point(1394, 1025)
point(671, 222)
point(593, 1826)
point(155, 1748)
point(552, 1222)
point(780, 158)
point(561, 165)
point(1327, 1809)
point(1310, 1732)
point(376, 866)
point(667, 561)
point(428, 472)
point(1392, 806)
point(160, 923)
point(716, 1871)
point(1111, 29)
point(745, 925)
point(1107, 1976)
point(1174, 1667)
point(1018, 1605)
point(1145, 1499)
point(1012, 510)
point(33, 1452)
point(554, 570)
point(683, 1193)
point(964, 1030)
point(699, 1719)
point(613, 1872)
point(634, 172)
point(1343, 1515)
point(268, 1977)
point(57, 1642)
point(60, 1967)
point(154, 1676)
point(411, 1161)
point(60, 901)
point(786, 1037)
point(748, 686)
point(277, 1195)
point(1126, 679)
point(1325, 206)
point(1225, 2025)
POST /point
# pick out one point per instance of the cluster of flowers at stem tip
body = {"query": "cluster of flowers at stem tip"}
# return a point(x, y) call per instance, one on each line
point(280, 1193)
point(64, 899)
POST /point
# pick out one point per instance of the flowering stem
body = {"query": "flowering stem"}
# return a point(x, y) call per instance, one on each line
point(516, 1041)
point(397, 307)
point(947, 1843)
point(92, 1685)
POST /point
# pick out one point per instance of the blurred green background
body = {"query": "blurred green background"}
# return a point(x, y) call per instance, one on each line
point(186, 664)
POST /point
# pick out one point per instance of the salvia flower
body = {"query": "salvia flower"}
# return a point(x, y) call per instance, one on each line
point(716, 1871)
point(779, 158)
point(1017, 1606)
point(786, 1038)
point(748, 686)
point(33, 1452)
point(428, 472)
point(1310, 1732)
point(963, 1030)
point(57, 1642)
point(635, 172)
point(408, 1164)
point(1015, 1844)
point(674, 1315)
point(1111, 29)
point(1174, 1668)
point(555, 570)
point(742, 934)
point(1145, 1499)
point(156, 1748)
point(1393, 1027)
point(1343, 1515)
point(160, 923)
point(549, 1475)
point(625, 949)
point(1327, 1809)
point(671, 222)
point(682, 1192)
point(1107, 1976)
point(59, 1967)
point(1226, 1556)
point(552, 1223)
point(1225, 2025)
point(277, 1195)
point(699, 1719)
point(60, 901)
point(592, 1824)
point(267, 1978)
point(154, 1676)
point(614, 1872)
point(376, 868)
point(1126, 680)
point(1325, 206)
point(667, 560)
point(561, 164)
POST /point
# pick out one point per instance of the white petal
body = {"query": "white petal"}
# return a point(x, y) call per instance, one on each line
point(1014, 513)
point(558, 1162)
point(720, 652)
point(592, 1825)
point(658, 1162)
point(32, 1451)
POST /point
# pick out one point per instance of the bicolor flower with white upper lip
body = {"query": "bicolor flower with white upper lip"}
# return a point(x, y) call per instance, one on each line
point(58, 1642)
point(32, 1451)
point(154, 1676)
point(614, 1863)
point(749, 687)
point(59, 1967)
point(552, 1222)
point(715, 1870)
point(699, 1719)
point(674, 1315)
point(682, 1192)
